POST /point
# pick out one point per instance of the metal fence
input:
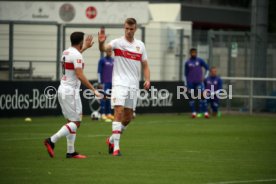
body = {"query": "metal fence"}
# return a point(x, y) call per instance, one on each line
point(27, 47)
point(231, 53)
point(31, 51)
point(245, 98)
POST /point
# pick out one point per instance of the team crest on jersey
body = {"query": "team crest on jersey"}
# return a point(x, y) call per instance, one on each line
point(78, 60)
point(138, 49)
point(215, 82)
point(197, 63)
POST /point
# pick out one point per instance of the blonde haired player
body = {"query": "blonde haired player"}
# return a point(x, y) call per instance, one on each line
point(129, 55)
point(69, 96)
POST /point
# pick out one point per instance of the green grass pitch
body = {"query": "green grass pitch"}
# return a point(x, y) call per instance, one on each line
point(161, 149)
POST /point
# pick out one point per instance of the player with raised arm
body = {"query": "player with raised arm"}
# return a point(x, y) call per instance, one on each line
point(213, 83)
point(129, 55)
point(68, 94)
point(193, 79)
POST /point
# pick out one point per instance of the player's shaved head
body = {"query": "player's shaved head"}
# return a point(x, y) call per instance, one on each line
point(213, 71)
point(76, 38)
point(109, 53)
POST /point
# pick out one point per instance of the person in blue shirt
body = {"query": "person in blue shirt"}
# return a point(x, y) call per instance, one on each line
point(193, 80)
point(105, 69)
point(214, 84)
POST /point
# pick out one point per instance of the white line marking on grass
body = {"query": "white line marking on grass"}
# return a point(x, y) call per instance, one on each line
point(245, 181)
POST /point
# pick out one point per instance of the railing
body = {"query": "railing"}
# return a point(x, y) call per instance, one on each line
point(26, 72)
point(251, 96)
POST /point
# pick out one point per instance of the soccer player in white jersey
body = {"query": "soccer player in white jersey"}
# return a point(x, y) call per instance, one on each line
point(129, 55)
point(68, 94)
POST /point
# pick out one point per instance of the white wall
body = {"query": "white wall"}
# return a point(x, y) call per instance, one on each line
point(164, 61)
point(4, 41)
point(38, 43)
point(31, 43)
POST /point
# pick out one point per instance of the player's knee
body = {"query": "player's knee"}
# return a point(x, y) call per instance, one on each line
point(78, 123)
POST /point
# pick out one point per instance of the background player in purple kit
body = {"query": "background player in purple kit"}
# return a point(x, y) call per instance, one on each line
point(193, 79)
point(214, 84)
point(105, 68)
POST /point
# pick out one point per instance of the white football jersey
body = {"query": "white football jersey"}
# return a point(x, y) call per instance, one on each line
point(71, 59)
point(127, 62)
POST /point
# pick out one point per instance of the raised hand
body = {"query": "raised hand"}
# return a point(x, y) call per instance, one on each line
point(101, 35)
point(88, 42)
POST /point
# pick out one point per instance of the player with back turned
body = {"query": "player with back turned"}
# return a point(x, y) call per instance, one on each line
point(129, 55)
point(69, 96)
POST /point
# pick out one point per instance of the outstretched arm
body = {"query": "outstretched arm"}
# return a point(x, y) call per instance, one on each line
point(146, 71)
point(85, 82)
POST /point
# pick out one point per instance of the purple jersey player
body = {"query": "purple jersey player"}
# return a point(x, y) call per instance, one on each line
point(214, 84)
point(193, 79)
point(105, 69)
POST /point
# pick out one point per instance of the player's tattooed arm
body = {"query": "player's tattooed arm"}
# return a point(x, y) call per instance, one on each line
point(146, 71)
point(88, 42)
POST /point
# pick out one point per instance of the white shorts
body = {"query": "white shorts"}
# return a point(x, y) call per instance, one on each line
point(124, 96)
point(70, 105)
